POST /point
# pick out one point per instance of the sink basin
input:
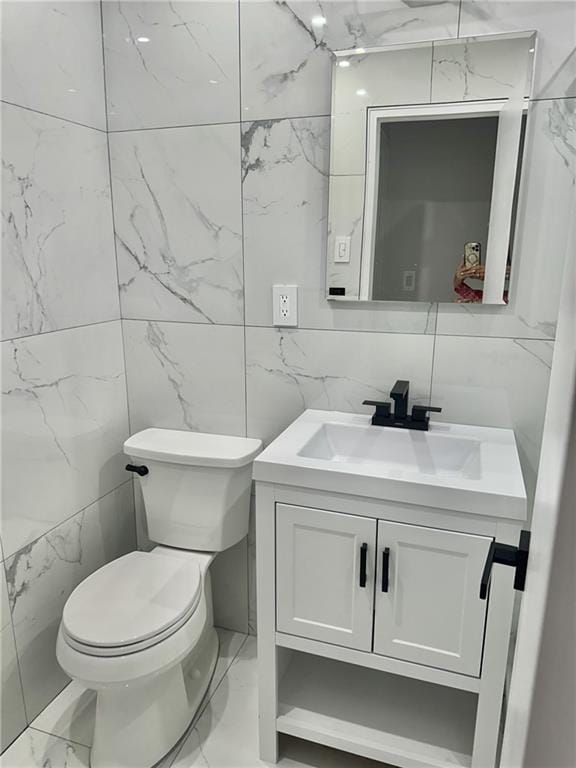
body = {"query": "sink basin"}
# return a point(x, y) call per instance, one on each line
point(452, 466)
point(405, 449)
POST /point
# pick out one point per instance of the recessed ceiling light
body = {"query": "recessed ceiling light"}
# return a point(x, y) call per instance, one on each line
point(71, 90)
point(142, 39)
point(361, 92)
point(318, 21)
point(531, 50)
point(213, 82)
point(344, 63)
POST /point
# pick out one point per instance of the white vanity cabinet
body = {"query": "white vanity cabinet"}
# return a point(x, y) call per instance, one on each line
point(399, 590)
point(373, 636)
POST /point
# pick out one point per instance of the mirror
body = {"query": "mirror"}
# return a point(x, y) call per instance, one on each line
point(425, 164)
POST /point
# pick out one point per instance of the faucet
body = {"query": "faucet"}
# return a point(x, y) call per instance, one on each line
point(418, 419)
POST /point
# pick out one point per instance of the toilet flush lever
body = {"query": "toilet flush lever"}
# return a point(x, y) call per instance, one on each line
point(142, 470)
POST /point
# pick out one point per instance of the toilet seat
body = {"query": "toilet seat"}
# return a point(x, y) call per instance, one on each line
point(131, 604)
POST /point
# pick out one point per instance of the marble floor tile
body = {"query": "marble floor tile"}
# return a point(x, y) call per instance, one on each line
point(35, 749)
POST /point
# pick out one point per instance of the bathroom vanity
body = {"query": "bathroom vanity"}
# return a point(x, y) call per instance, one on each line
point(384, 597)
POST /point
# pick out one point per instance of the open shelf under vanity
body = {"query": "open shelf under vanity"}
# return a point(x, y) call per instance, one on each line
point(407, 722)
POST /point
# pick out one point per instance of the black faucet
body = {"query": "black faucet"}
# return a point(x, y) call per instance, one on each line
point(418, 419)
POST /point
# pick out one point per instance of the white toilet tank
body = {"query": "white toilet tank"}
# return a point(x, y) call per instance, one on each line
point(197, 486)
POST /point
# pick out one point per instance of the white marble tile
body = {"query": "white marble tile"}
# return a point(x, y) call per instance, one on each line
point(59, 266)
point(70, 715)
point(555, 22)
point(65, 419)
point(35, 749)
point(52, 59)
point(498, 383)
point(289, 371)
point(177, 209)
point(12, 713)
point(43, 574)
point(229, 573)
point(545, 210)
point(185, 376)
point(482, 69)
point(285, 188)
point(171, 63)
point(287, 47)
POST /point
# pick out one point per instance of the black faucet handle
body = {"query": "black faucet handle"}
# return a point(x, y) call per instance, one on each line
point(419, 411)
point(382, 406)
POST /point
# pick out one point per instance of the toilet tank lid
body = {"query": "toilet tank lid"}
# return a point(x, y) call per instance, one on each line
point(195, 448)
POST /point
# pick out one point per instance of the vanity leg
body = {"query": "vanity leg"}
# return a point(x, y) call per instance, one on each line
point(266, 621)
point(496, 645)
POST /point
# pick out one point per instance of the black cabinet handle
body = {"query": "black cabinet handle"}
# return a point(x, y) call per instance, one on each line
point(363, 557)
point(140, 470)
point(385, 569)
point(507, 554)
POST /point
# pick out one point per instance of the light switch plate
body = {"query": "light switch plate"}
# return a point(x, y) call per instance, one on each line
point(285, 305)
point(341, 250)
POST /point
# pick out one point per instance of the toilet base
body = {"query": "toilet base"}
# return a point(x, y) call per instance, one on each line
point(138, 724)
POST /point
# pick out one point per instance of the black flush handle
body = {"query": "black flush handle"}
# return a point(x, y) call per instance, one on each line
point(142, 470)
point(507, 554)
point(363, 559)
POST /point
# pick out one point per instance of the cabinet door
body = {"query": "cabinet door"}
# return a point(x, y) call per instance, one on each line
point(428, 609)
point(321, 592)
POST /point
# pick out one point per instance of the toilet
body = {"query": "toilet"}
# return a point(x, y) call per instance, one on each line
point(139, 631)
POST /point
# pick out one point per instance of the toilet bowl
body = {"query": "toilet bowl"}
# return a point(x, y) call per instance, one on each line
point(139, 631)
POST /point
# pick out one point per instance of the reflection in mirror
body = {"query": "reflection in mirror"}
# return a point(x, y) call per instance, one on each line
point(423, 194)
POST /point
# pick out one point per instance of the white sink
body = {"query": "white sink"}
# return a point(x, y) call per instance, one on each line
point(408, 450)
point(452, 466)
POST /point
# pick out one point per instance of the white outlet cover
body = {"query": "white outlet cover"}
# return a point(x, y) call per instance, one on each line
point(285, 305)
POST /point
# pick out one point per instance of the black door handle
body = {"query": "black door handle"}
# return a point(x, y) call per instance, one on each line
point(385, 569)
point(507, 554)
point(363, 557)
point(140, 470)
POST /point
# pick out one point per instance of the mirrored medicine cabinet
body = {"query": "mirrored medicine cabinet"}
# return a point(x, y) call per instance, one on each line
point(426, 155)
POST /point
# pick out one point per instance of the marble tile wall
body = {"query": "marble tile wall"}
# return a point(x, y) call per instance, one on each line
point(67, 507)
point(228, 194)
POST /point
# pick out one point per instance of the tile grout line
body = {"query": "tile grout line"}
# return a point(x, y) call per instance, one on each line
point(60, 330)
point(115, 246)
point(65, 739)
point(54, 117)
point(67, 520)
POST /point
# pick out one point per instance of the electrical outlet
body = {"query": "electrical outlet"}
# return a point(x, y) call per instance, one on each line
point(285, 305)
